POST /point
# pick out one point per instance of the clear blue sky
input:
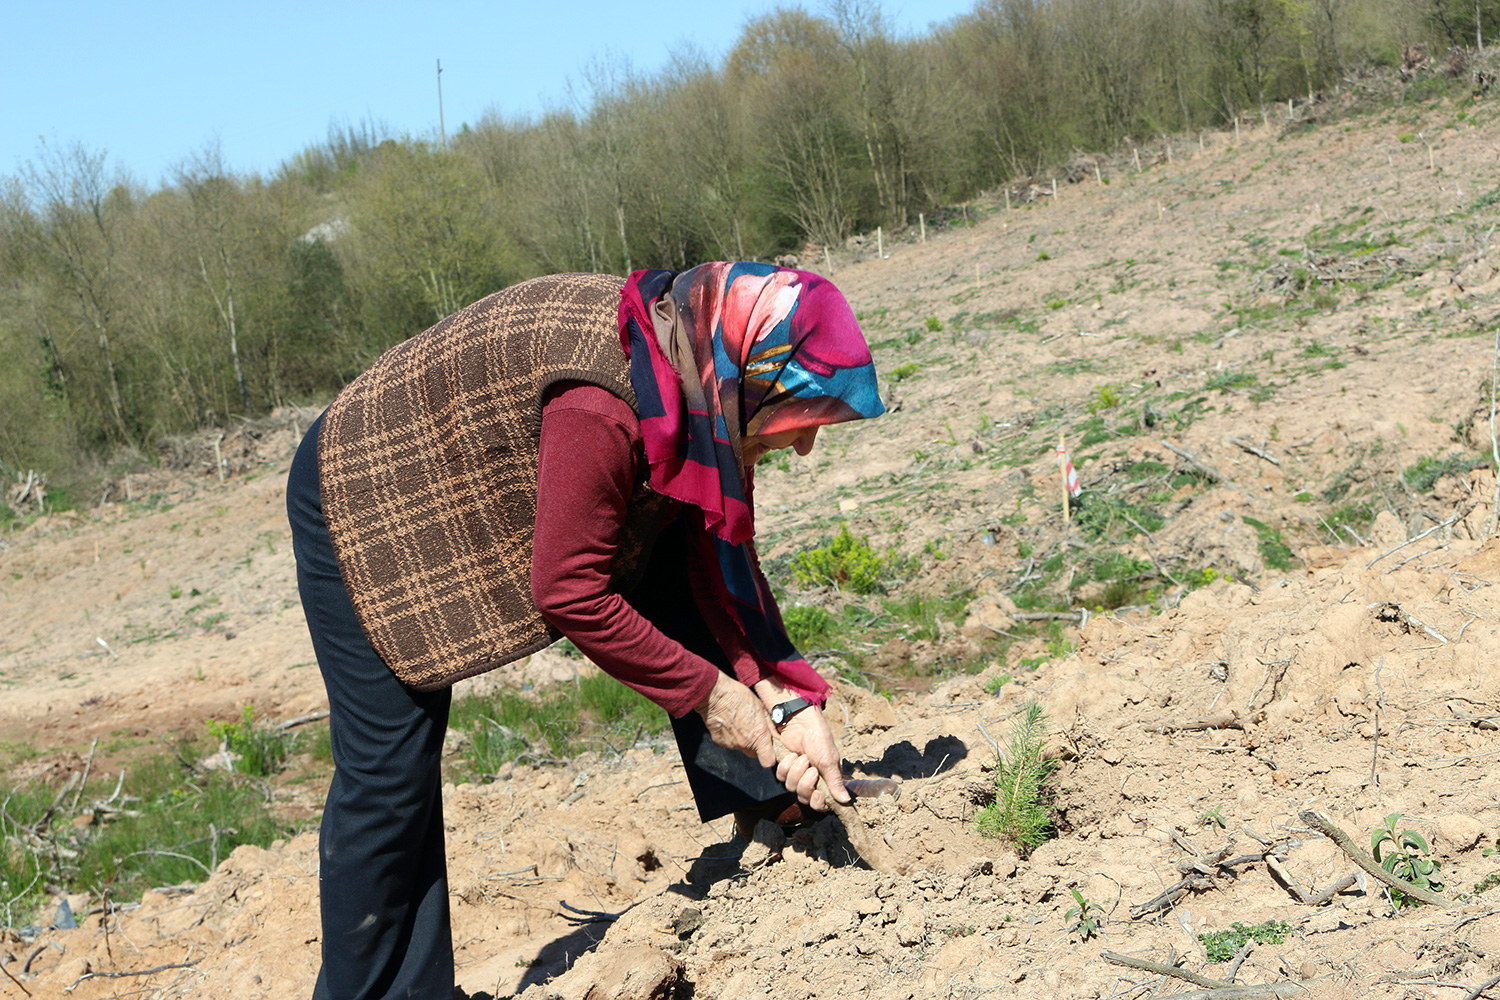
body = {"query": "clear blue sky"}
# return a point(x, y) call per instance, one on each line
point(154, 82)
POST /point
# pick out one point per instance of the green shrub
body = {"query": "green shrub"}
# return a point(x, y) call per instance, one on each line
point(808, 627)
point(846, 563)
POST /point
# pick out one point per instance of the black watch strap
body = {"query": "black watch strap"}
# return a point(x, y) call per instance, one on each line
point(782, 714)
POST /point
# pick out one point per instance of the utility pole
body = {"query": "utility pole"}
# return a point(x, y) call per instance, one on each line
point(442, 130)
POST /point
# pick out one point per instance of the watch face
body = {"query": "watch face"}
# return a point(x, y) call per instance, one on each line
point(777, 715)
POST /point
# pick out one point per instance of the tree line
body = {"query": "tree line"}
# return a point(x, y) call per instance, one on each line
point(127, 314)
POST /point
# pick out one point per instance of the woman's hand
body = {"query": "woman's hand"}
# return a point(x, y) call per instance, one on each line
point(815, 753)
point(737, 720)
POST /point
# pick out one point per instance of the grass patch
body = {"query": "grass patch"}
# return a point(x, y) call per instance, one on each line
point(170, 823)
point(596, 712)
point(1427, 470)
point(1273, 549)
point(1104, 515)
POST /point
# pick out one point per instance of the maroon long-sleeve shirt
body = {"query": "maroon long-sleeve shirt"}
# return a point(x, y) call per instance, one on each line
point(590, 447)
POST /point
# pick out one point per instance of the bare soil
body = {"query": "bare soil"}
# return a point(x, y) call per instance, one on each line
point(1191, 732)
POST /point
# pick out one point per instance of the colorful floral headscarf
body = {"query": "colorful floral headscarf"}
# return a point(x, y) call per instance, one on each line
point(767, 350)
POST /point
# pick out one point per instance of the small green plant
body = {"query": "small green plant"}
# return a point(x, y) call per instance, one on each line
point(1084, 919)
point(1277, 554)
point(1044, 255)
point(934, 324)
point(174, 591)
point(846, 563)
point(1019, 813)
point(994, 684)
point(1213, 817)
point(258, 750)
point(1224, 945)
point(905, 371)
point(1106, 397)
point(1407, 856)
point(808, 627)
point(1194, 579)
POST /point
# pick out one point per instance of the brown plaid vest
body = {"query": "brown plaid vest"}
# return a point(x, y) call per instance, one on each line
point(428, 466)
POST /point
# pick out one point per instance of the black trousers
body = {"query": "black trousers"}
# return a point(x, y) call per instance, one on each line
point(382, 874)
point(382, 869)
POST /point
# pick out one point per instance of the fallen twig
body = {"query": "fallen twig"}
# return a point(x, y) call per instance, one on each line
point(1284, 877)
point(14, 980)
point(87, 767)
point(1048, 616)
point(1239, 959)
point(1477, 721)
point(1398, 613)
point(577, 916)
point(1481, 988)
point(1424, 552)
point(1030, 565)
point(1332, 890)
point(1225, 720)
point(1146, 965)
point(125, 975)
point(1258, 453)
point(1166, 897)
point(1326, 826)
point(1285, 988)
point(1194, 461)
point(1214, 989)
point(1463, 513)
point(301, 720)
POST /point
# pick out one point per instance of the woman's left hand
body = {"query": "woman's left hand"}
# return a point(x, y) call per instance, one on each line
point(815, 754)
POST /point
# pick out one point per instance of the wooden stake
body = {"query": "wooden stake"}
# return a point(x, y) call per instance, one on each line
point(1200, 142)
point(1431, 163)
point(1054, 188)
point(1097, 175)
point(1062, 470)
point(1236, 130)
point(880, 242)
point(922, 222)
point(1136, 153)
point(827, 258)
point(1007, 198)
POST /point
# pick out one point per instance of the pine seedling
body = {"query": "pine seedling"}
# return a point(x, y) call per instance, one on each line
point(1018, 814)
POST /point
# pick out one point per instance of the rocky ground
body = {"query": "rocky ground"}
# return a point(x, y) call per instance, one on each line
point(1253, 346)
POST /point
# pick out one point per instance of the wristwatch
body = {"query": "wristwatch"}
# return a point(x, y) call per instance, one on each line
point(782, 714)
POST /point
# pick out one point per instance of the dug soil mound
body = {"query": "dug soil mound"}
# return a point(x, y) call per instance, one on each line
point(1270, 362)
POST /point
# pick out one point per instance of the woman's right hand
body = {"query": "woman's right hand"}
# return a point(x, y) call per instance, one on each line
point(737, 720)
